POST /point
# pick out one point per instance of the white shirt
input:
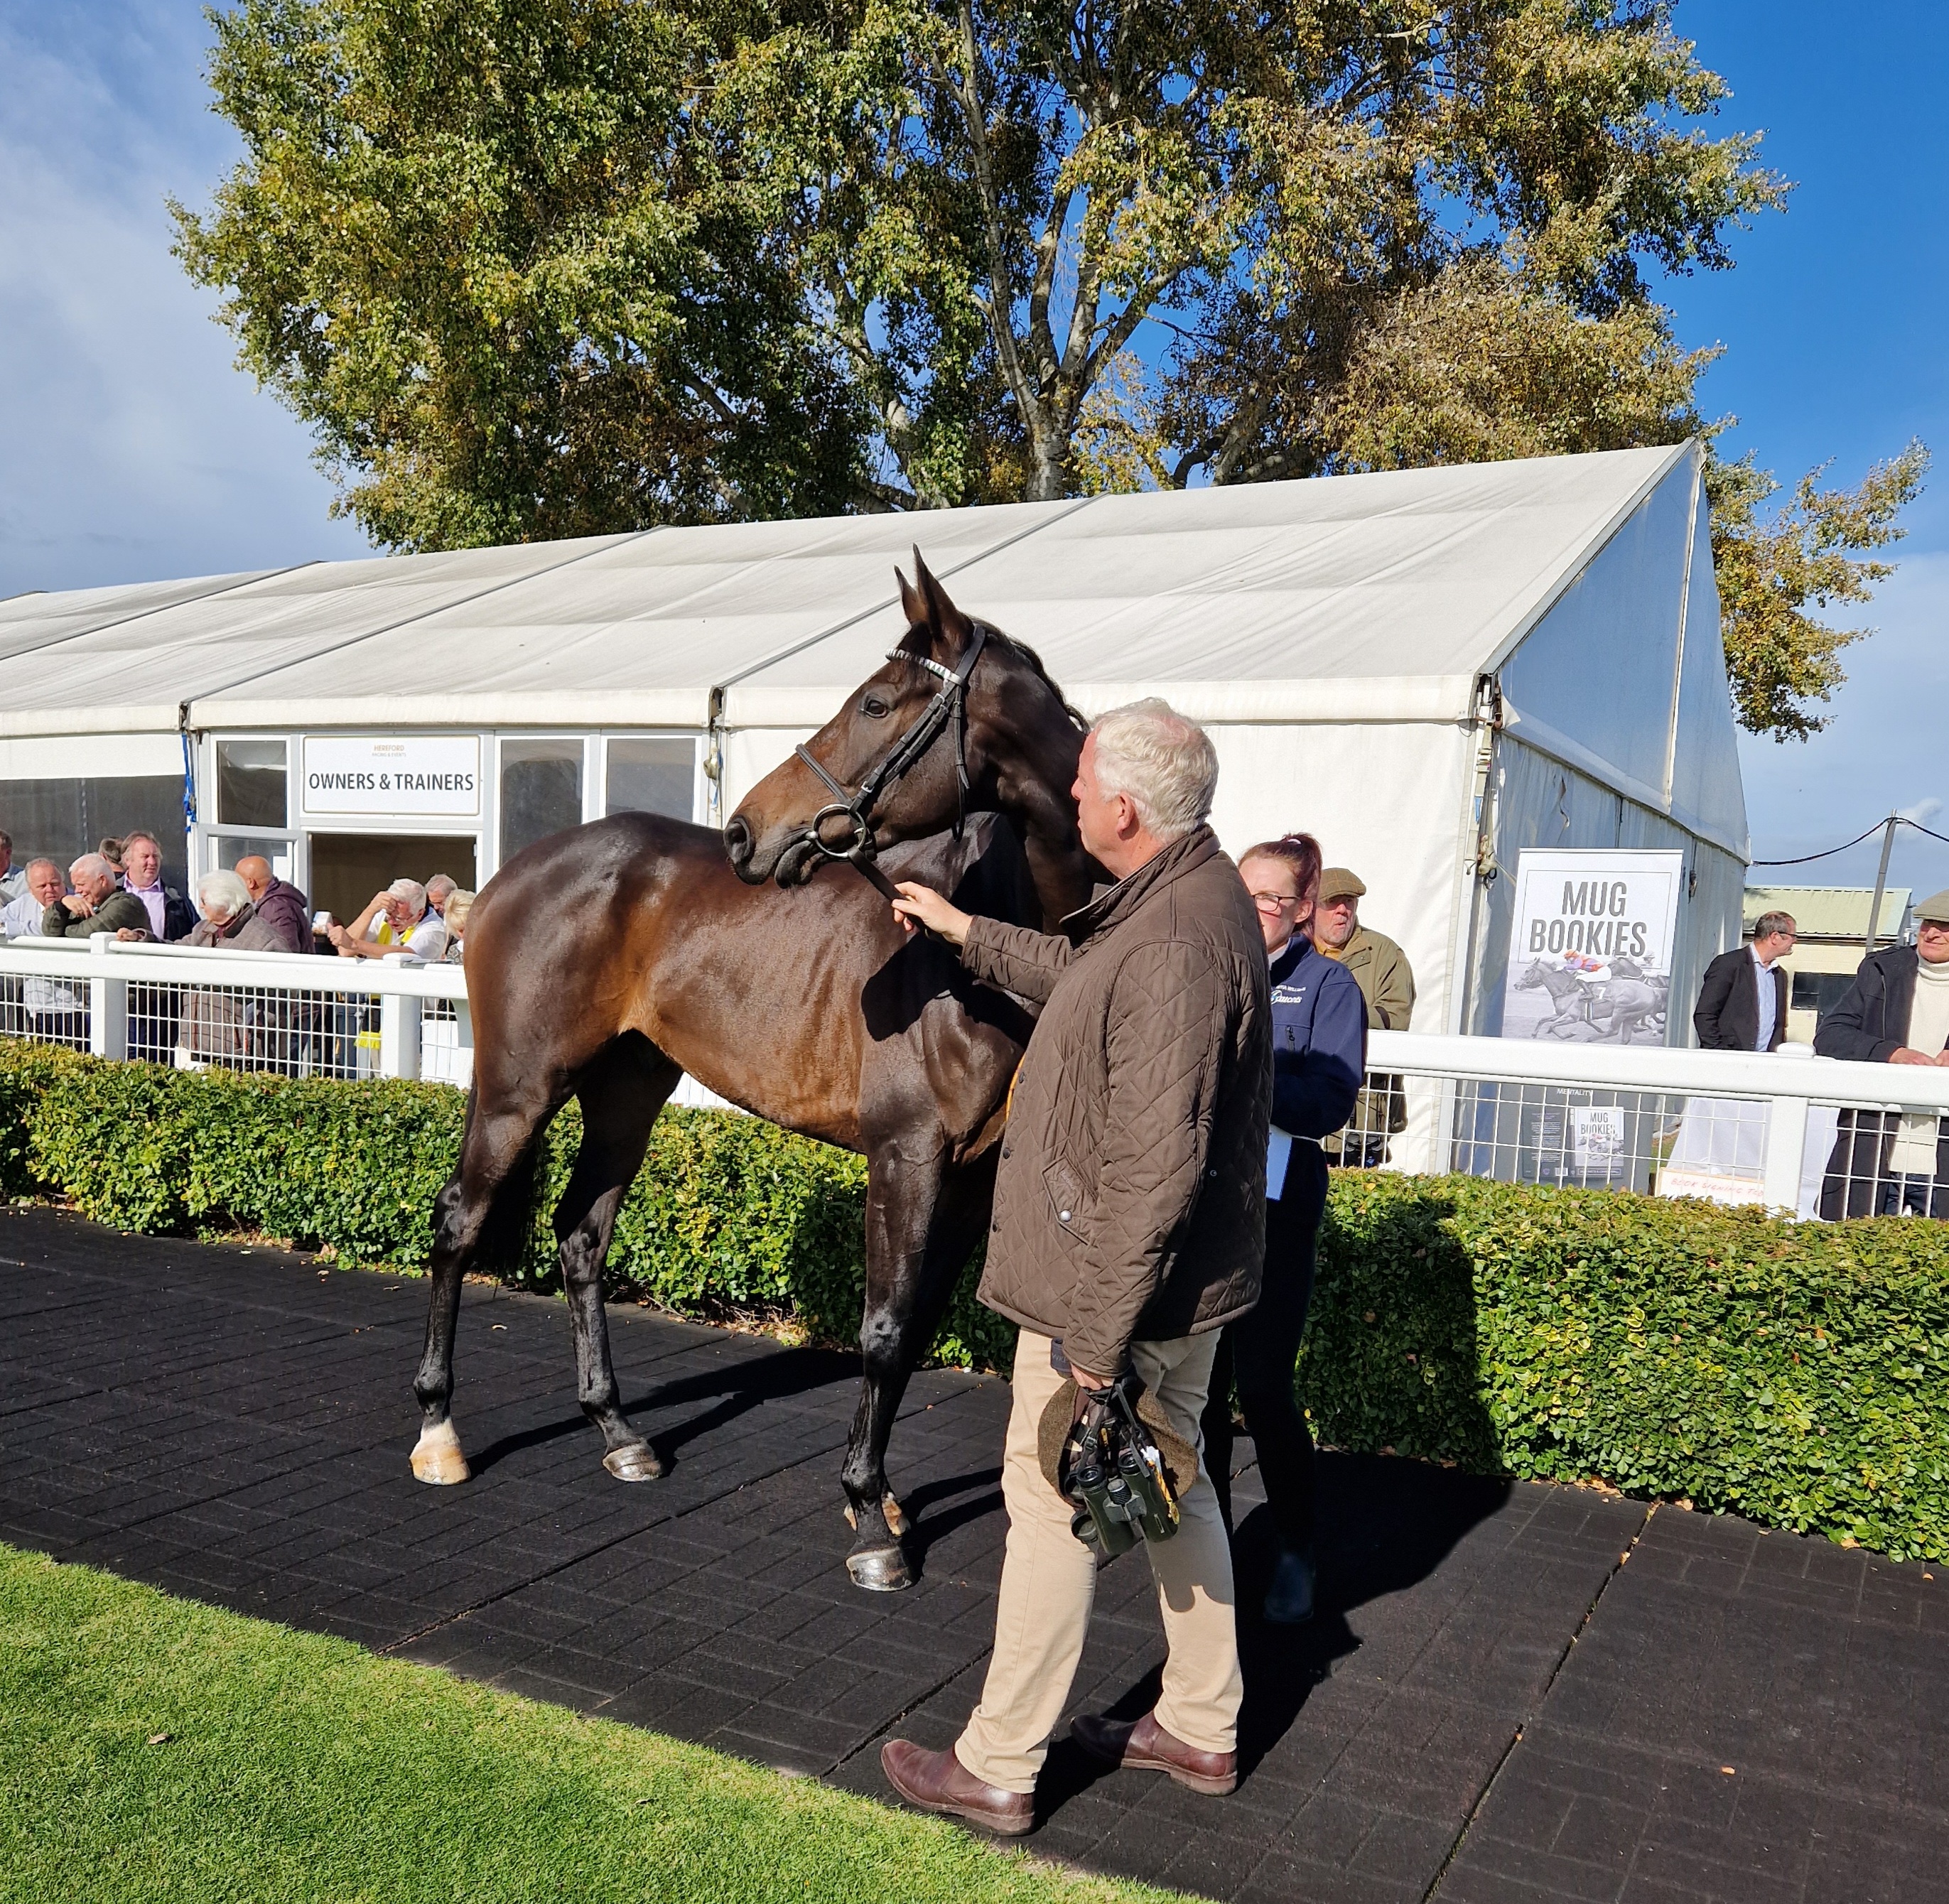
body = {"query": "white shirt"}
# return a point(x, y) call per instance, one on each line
point(1763, 981)
point(427, 940)
point(21, 917)
point(14, 885)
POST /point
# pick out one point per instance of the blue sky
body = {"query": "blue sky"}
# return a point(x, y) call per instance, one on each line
point(133, 448)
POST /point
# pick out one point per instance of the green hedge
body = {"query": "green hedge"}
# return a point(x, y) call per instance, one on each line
point(1795, 1373)
point(729, 1216)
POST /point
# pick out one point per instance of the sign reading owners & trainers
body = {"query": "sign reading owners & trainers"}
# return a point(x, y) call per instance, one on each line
point(392, 773)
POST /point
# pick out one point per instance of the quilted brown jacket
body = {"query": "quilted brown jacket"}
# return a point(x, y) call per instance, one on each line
point(1131, 1200)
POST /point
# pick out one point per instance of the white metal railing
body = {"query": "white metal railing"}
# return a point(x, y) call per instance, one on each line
point(1786, 1129)
point(196, 1006)
point(1737, 1126)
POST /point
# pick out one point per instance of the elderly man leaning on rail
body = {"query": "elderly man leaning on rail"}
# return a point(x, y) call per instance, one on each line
point(1886, 1164)
point(1742, 1003)
point(1129, 1228)
point(397, 920)
point(96, 905)
point(41, 885)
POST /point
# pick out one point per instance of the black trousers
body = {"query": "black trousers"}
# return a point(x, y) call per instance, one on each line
point(1258, 1352)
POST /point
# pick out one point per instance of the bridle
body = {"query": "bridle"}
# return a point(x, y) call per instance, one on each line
point(949, 705)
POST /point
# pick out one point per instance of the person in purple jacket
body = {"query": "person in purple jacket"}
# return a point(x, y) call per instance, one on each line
point(1320, 1057)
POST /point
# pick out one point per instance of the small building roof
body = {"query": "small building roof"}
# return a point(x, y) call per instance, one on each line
point(1839, 912)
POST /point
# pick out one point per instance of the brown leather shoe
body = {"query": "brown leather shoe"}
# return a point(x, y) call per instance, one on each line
point(1146, 1746)
point(938, 1782)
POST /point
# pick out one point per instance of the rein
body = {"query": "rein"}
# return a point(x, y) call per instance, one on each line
point(949, 705)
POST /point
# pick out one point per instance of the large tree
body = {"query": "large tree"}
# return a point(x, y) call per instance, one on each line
point(531, 266)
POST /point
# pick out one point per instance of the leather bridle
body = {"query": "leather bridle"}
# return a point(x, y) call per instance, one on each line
point(949, 706)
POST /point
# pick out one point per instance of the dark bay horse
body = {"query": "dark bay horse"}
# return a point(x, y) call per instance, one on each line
point(603, 963)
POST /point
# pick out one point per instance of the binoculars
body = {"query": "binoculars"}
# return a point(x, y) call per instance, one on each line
point(1116, 1476)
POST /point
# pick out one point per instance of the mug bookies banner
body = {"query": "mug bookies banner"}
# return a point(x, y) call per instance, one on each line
point(1590, 951)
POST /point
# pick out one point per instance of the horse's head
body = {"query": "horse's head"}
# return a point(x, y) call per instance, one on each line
point(1532, 975)
point(1013, 737)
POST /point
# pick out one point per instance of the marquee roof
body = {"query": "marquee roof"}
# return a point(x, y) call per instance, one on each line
point(1372, 597)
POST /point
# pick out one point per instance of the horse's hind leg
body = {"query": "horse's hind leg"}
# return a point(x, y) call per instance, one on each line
point(620, 1095)
point(922, 1222)
point(488, 1192)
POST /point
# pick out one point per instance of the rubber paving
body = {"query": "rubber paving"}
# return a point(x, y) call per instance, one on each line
point(1513, 1692)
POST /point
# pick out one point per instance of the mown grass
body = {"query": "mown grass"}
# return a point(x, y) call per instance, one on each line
point(153, 1749)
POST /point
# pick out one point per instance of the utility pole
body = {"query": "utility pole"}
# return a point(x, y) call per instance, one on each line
point(1881, 879)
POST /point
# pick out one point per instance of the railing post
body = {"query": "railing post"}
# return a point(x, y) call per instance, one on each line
point(1785, 1147)
point(398, 1035)
point(107, 1003)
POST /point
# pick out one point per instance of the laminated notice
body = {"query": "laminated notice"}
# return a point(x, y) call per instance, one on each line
point(1278, 1153)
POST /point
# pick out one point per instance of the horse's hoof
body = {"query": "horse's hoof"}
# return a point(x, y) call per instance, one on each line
point(437, 1459)
point(879, 1569)
point(637, 1462)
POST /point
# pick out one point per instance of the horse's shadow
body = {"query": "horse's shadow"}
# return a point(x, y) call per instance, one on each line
point(738, 1387)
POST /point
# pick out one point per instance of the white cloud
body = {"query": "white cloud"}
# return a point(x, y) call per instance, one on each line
point(133, 447)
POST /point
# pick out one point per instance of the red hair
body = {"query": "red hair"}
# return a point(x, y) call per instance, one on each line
point(1300, 851)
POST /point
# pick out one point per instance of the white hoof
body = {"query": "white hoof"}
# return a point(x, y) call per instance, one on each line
point(437, 1459)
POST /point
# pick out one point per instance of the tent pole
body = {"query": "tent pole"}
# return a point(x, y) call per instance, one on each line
point(1881, 881)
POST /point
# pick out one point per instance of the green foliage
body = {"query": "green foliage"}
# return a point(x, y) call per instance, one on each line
point(1795, 1373)
point(158, 1749)
point(480, 251)
point(729, 1216)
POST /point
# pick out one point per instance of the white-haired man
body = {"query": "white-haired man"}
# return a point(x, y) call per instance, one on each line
point(397, 920)
point(1129, 1227)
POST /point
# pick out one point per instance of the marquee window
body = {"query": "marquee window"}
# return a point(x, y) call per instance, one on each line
point(251, 790)
point(541, 790)
point(652, 775)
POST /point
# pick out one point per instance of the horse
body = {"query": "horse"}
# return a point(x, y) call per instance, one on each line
point(604, 962)
point(1569, 998)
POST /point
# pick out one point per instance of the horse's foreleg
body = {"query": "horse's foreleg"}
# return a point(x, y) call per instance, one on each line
point(922, 1222)
point(619, 1105)
point(491, 1158)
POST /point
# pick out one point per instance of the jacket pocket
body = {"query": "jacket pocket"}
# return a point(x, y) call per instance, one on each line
point(1065, 1191)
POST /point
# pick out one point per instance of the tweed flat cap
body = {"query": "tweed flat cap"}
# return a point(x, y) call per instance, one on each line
point(1934, 909)
point(1337, 883)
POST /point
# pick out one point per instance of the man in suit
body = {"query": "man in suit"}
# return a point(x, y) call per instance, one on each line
point(1742, 1004)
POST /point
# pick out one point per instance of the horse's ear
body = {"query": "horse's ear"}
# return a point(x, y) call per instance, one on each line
point(913, 604)
point(950, 628)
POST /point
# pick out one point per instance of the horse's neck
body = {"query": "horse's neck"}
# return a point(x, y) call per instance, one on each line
point(1043, 815)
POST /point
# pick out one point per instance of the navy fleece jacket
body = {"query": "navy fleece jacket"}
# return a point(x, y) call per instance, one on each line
point(1319, 1041)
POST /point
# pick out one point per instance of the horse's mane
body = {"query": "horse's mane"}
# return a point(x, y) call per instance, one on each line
point(1023, 652)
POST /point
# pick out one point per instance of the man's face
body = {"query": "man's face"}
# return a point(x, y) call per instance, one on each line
point(6, 857)
point(141, 863)
point(44, 881)
point(401, 914)
point(93, 887)
point(1931, 940)
point(1098, 814)
point(1334, 920)
point(1775, 945)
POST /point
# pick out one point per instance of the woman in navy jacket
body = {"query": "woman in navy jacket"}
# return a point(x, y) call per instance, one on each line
point(1320, 1057)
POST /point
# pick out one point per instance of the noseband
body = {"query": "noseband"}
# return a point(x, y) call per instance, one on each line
point(949, 704)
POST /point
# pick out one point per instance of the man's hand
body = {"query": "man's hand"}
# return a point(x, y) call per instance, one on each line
point(78, 907)
point(1095, 1384)
point(922, 905)
point(1906, 1056)
point(127, 933)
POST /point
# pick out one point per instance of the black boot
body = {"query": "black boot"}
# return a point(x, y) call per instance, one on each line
point(1289, 1597)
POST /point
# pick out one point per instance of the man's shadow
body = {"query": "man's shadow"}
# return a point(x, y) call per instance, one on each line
point(1386, 1525)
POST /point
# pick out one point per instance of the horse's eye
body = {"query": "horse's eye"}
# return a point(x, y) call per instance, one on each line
point(874, 708)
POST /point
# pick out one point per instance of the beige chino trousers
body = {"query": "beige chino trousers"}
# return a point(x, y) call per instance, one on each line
point(1049, 1581)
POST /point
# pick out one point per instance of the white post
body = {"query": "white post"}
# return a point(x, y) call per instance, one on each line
point(398, 1035)
point(1786, 1146)
point(107, 1003)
